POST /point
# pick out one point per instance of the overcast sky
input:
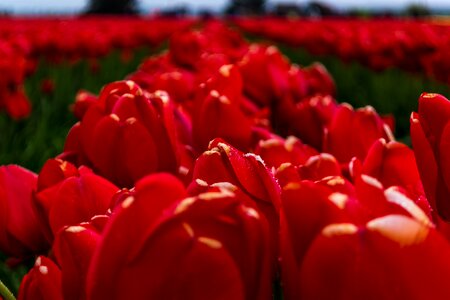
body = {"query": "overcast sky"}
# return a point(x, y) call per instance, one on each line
point(20, 6)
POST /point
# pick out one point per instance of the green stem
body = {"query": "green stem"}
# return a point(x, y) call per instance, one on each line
point(5, 292)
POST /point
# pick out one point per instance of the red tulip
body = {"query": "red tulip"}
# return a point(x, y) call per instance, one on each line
point(310, 208)
point(83, 101)
point(127, 134)
point(294, 161)
point(53, 172)
point(265, 74)
point(20, 233)
point(378, 201)
point(159, 73)
point(306, 208)
point(179, 84)
point(277, 151)
point(352, 132)
point(309, 119)
point(319, 166)
point(430, 134)
point(73, 149)
point(186, 47)
point(223, 163)
point(43, 282)
point(319, 80)
point(72, 199)
point(209, 64)
point(394, 164)
point(145, 76)
point(16, 103)
point(287, 173)
point(73, 248)
point(223, 39)
point(392, 257)
point(209, 246)
point(217, 112)
point(298, 83)
point(47, 86)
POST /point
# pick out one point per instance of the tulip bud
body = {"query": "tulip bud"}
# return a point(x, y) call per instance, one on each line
point(319, 80)
point(218, 116)
point(43, 282)
point(307, 119)
point(223, 163)
point(73, 248)
point(83, 101)
point(365, 126)
point(276, 151)
point(430, 134)
point(16, 103)
point(306, 209)
point(394, 164)
point(71, 200)
point(20, 233)
point(265, 74)
point(127, 134)
point(186, 48)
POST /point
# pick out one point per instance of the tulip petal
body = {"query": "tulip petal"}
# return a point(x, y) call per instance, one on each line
point(19, 224)
point(43, 281)
point(352, 262)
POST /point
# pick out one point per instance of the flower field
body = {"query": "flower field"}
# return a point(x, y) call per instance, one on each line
point(186, 159)
point(415, 46)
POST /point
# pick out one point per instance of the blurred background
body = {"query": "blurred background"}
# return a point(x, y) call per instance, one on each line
point(230, 7)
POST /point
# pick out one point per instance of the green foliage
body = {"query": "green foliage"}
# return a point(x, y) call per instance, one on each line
point(11, 277)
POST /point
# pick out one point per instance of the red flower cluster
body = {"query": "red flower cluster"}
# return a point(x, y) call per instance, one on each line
point(13, 69)
point(28, 40)
point(175, 184)
point(416, 46)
